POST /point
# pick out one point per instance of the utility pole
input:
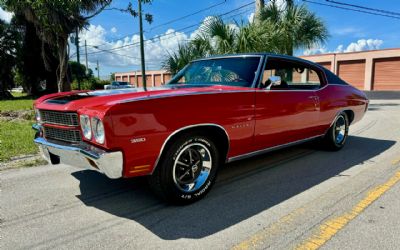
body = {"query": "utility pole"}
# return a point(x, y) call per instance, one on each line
point(87, 68)
point(77, 55)
point(98, 70)
point(142, 59)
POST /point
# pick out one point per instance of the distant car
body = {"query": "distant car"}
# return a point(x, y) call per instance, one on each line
point(118, 85)
point(17, 90)
point(215, 110)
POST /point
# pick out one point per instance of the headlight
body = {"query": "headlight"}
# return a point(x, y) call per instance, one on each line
point(98, 130)
point(37, 116)
point(85, 126)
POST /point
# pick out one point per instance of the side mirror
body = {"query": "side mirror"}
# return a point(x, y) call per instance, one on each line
point(274, 81)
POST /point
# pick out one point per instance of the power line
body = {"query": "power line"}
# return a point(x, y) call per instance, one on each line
point(108, 51)
point(111, 52)
point(114, 53)
point(186, 16)
point(174, 33)
point(351, 9)
point(195, 26)
point(170, 21)
point(179, 30)
point(366, 8)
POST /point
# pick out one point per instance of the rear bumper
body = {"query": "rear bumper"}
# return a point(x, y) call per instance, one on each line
point(83, 156)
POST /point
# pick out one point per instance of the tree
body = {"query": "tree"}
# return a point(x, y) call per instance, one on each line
point(185, 53)
point(112, 77)
point(259, 6)
point(54, 21)
point(217, 37)
point(10, 43)
point(280, 29)
point(298, 27)
point(33, 73)
point(78, 71)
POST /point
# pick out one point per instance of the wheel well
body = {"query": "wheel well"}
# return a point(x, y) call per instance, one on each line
point(350, 115)
point(217, 134)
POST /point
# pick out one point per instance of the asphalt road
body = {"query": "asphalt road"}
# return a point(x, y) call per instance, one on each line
point(300, 197)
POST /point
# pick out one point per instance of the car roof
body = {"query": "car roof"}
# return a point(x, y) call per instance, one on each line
point(280, 56)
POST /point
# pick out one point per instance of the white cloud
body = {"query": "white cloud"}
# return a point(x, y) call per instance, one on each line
point(251, 17)
point(315, 51)
point(5, 15)
point(360, 45)
point(129, 54)
point(339, 49)
point(114, 30)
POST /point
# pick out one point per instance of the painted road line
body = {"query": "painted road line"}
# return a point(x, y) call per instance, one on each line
point(273, 229)
point(395, 162)
point(331, 227)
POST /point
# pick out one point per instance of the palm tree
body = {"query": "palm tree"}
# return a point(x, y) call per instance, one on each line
point(299, 28)
point(178, 59)
point(216, 37)
point(280, 29)
point(54, 22)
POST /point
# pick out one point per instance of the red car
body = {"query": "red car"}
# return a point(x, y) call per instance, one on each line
point(215, 110)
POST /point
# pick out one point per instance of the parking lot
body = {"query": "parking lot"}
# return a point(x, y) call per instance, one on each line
point(301, 197)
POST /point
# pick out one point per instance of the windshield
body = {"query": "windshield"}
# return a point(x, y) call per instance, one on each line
point(234, 71)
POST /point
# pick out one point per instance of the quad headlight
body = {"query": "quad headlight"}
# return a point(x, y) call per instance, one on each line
point(86, 127)
point(98, 130)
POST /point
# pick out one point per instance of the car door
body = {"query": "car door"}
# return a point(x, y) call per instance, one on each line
point(287, 105)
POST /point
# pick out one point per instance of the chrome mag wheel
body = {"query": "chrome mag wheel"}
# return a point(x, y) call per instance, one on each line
point(340, 129)
point(192, 167)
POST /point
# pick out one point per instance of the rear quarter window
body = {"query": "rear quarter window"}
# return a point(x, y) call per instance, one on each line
point(333, 79)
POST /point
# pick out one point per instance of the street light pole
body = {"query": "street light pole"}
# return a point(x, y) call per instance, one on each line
point(142, 59)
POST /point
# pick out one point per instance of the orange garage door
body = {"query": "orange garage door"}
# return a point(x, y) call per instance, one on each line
point(157, 80)
point(352, 72)
point(387, 74)
point(326, 65)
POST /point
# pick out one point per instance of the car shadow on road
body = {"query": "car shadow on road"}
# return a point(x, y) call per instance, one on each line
point(244, 189)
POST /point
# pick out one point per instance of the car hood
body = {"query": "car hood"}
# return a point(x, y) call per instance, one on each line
point(103, 99)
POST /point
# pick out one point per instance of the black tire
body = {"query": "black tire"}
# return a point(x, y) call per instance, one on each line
point(168, 180)
point(337, 134)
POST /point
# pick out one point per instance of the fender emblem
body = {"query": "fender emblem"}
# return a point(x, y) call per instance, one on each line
point(242, 125)
point(137, 140)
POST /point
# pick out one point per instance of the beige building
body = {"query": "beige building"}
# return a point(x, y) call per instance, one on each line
point(366, 70)
point(154, 78)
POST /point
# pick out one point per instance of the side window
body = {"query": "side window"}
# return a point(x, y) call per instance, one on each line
point(290, 75)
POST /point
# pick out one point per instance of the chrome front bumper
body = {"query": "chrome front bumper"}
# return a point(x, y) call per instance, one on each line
point(82, 156)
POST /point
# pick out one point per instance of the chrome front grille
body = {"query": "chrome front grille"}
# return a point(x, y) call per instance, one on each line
point(59, 118)
point(62, 134)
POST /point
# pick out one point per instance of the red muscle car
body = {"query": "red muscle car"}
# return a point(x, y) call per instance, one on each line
point(215, 110)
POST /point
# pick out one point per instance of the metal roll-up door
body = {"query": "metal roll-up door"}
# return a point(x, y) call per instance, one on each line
point(387, 74)
point(353, 72)
point(326, 65)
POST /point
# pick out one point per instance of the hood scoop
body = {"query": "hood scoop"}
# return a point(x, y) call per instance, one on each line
point(66, 99)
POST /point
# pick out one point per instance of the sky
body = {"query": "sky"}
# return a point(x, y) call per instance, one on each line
point(176, 21)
